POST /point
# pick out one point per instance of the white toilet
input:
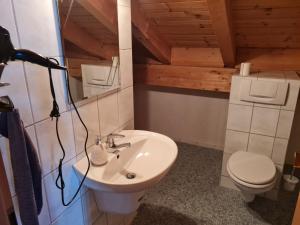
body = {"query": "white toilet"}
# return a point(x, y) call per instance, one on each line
point(252, 173)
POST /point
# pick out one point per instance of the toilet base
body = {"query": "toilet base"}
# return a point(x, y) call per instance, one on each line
point(248, 197)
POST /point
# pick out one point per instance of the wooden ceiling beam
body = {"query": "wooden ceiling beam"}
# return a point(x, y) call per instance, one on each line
point(188, 77)
point(144, 31)
point(222, 24)
point(79, 37)
point(105, 11)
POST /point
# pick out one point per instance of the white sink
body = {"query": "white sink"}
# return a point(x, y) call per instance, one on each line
point(148, 159)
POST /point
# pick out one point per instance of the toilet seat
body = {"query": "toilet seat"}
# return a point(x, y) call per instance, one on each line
point(251, 169)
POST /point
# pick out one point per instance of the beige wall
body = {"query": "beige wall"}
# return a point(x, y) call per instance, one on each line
point(192, 116)
point(188, 116)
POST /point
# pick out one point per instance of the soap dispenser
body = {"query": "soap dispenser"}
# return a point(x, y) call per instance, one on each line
point(99, 154)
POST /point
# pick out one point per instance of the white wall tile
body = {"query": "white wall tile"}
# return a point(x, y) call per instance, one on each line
point(38, 28)
point(14, 74)
point(126, 69)
point(125, 101)
point(124, 26)
point(260, 144)
point(285, 124)
point(39, 90)
point(90, 208)
point(235, 141)
point(235, 91)
point(292, 97)
point(53, 193)
point(239, 117)
point(127, 126)
point(44, 217)
point(72, 215)
point(108, 114)
point(264, 121)
point(224, 164)
point(50, 151)
point(279, 150)
point(8, 22)
point(89, 115)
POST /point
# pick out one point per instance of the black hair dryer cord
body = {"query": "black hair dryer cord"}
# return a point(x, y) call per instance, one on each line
point(60, 183)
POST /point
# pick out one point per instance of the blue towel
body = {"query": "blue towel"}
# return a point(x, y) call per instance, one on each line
point(25, 166)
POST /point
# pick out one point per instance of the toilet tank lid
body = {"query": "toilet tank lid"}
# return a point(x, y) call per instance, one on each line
point(251, 168)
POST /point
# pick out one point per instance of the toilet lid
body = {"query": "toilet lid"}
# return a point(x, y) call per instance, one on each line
point(251, 167)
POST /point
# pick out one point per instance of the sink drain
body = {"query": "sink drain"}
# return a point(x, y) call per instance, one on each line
point(130, 175)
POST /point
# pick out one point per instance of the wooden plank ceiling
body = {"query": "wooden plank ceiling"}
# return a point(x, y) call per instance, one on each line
point(182, 23)
point(81, 17)
point(266, 23)
point(256, 23)
point(176, 32)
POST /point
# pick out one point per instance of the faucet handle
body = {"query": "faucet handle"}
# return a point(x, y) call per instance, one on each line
point(112, 135)
point(110, 139)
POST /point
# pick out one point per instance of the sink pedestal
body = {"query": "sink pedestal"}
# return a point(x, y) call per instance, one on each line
point(122, 203)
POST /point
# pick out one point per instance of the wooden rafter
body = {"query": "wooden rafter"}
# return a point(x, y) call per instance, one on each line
point(222, 24)
point(198, 78)
point(88, 43)
point(144, 31)
point(105, 11)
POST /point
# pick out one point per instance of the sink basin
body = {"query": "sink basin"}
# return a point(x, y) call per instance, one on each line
point(126, 175)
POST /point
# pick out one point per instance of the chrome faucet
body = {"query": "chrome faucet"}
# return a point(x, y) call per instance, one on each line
point(112, 147)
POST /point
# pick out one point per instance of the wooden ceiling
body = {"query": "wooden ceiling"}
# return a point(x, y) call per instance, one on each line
point(266, 23)
point(160, 25)
point(79, 16)
point(182, 23)
point(256, 23)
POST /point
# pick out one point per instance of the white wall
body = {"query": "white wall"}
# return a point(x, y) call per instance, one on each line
point(33, 25)
point(189, 116)
point(193, 117)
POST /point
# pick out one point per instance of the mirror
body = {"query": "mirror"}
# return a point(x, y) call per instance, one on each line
point(90, 50)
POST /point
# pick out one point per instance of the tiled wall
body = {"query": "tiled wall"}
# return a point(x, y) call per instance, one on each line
point(260, 128)
point(33, 25)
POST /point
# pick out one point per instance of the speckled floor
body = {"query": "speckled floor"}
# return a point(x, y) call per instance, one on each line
point(191, 195)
